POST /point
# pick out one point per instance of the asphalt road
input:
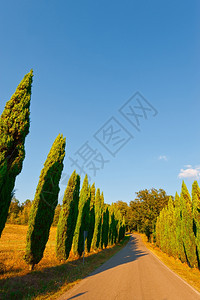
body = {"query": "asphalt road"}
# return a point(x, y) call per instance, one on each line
point(133, 273)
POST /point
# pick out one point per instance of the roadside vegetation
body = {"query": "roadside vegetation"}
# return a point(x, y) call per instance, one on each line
point(178, 227)
point(82, 223)
point(190, 275)
point(51, 278)
point(85, 223)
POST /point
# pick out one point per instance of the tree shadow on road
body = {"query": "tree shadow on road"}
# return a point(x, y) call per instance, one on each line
point(127, 255)
point(76, 296)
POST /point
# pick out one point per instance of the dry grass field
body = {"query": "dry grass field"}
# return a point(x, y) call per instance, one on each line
point(50, 277)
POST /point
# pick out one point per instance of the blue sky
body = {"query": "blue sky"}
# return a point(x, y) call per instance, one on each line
point(89, 58)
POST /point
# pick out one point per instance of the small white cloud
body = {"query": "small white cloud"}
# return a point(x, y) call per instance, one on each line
point(162, 157)
point(189, 172)
point(188, 166)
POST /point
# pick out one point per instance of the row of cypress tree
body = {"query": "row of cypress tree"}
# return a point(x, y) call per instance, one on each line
point(178, 226)
point(103, 223)
point(84, 211)
point(80, 212)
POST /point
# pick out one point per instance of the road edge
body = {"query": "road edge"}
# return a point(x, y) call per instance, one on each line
point(177, 275)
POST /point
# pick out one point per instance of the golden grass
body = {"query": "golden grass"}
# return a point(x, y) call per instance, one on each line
point(50, 278)
point(190, 275)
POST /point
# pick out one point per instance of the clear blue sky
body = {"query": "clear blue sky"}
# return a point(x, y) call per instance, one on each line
point(89, 58)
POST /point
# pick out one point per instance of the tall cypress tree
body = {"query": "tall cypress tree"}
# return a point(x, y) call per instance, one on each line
point(161, 230)
point(187, 227)
point(105, 227)
point(91, 218)
point(123, 228)
point(68, 217)
point(196, 217)
point(178, 219)
point(101, 222)
point(44, 203)
point(97, 227)
point(112, 235)
point(83, 218)
point(14, 127)
point(121, 225)
point(171, 228)
point(158, 230)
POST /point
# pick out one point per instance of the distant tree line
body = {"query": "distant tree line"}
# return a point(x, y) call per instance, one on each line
point(83, 215)
point(142, 212)
point(81, 210)
point(19, 212)
point(178, 226)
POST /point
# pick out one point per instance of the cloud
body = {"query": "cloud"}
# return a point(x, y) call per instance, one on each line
point(162, 157)
point(189, 172)
point(188, 166)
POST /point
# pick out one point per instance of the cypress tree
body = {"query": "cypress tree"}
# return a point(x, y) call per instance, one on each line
point(83, 218)
point(171, 228)
point(91, 218)
point(105, 227)
point(97, 227)
point(119, 222)
point(165, 238)
point(100, 243)
point(110, 232)
point(44, 203)
point(158, 231)
point(14, 127)
point(112, 226)
point(195, 190)
point(68, 217)
point(121, 227)
point(117, 225)
point(178, 219)
point(187, 227)
point(196, 217)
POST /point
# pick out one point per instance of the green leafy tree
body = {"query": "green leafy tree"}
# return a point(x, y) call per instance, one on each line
point(25, 212)
point(187, 227)
point(97, 227)
point(105, 227)
point(68, 217)
point(178, 220)
point(196, 217)
point(171, 228)
point(121, 227)
point(14, 212)
point(14, 127)
point(83, 219)
point(100, 242)
point(122, 230)
point(125, 211)
point(113, 233)
point(44, 203)
point(91, 217)
point(120, 223)
point(159, 229)
point(56, 215)
point(146, 208)
point(169, 235)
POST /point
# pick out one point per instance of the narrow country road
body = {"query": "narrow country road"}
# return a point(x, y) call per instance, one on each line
point(133, 273)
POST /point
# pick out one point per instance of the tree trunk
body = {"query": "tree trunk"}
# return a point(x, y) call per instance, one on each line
point(31, 267)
